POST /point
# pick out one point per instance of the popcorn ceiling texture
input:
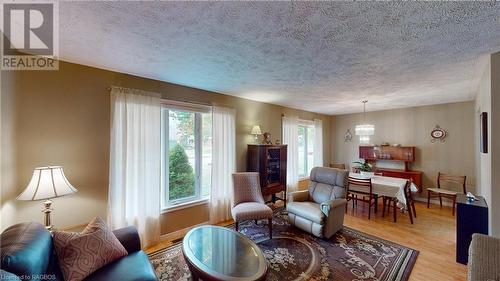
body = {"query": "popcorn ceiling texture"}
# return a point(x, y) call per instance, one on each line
point(319, 56)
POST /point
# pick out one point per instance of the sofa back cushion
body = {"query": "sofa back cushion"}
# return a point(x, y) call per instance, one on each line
point(327, 184)
point(81, 254)
point(26, 249)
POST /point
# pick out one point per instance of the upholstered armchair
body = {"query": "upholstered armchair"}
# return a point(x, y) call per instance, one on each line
point(248, 203)
point(484, 258)
point(320, 209)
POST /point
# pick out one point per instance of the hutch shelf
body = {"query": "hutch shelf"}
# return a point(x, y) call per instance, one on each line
point(404, 154)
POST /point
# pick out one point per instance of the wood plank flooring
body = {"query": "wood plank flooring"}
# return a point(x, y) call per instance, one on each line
point(433, 234)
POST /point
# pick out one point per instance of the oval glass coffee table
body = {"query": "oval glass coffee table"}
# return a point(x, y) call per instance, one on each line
point(220, 253)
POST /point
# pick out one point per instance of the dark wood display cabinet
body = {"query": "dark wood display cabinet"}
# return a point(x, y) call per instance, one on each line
point(270, 162)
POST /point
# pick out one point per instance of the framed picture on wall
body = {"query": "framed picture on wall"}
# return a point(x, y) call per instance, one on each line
point(483, 134)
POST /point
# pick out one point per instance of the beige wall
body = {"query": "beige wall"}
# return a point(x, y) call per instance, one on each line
point(8, 192)
point(488, 100)
point(62, 117)
point(483, 160)
point(412, 127)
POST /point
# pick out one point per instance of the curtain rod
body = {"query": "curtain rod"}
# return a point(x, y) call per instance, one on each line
point(284, 115)
point(166, 99)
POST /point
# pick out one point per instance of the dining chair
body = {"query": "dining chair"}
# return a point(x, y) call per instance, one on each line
point(340, 166)
point(410, 203)
point(364, 189)
point(446, 193)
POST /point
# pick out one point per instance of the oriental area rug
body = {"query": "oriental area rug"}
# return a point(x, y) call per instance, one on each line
point(293, 254)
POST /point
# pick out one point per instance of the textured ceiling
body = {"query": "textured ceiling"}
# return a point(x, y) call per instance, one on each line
point(319, 56)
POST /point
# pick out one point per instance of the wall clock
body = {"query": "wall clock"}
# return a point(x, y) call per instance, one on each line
point(438, 134)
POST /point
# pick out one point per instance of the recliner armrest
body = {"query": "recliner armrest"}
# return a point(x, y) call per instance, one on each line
point(129, 237)
point(327, 206)
point(298, 196)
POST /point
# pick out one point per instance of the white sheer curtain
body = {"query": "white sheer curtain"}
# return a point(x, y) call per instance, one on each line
point(290, 126)
point(134, 173)
point(223, 163)
point(318, 143)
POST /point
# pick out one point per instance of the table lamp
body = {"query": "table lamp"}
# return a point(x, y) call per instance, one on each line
point(256, 133)
point(46, 183)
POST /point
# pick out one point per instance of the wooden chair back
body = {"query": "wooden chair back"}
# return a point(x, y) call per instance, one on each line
point(408, 193)
point(446, 178)
point(340, 166)
point(410, 204)
point(365, 183)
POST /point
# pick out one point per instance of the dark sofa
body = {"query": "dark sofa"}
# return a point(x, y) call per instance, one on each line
point(27, 253)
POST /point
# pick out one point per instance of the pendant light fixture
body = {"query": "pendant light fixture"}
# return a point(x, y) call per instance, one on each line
point(364, 131)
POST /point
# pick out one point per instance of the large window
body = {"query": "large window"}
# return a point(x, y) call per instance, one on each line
point(186, 155)
point(306, 149)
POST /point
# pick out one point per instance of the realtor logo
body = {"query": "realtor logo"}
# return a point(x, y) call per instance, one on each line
point(29, 36)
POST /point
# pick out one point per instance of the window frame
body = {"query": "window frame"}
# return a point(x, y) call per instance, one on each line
point(306, 124)
point(197, 198)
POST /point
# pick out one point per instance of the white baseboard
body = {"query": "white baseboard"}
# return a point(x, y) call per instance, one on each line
point(180, 232)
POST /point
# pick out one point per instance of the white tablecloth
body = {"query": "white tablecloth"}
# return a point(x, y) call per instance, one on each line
point(386, 186)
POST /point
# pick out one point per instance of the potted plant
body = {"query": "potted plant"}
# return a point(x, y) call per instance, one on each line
point(365, 168)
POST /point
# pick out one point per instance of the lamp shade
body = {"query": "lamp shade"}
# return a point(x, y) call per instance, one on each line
point(365, 130)
point(47, 182)
point(256, 130)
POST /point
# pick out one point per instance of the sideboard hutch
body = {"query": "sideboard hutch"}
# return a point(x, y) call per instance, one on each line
point(404, 154)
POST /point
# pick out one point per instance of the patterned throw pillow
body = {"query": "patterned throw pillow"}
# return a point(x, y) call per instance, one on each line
point(80, 254)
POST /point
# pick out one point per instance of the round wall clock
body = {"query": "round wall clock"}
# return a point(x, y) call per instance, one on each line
point(438, 134)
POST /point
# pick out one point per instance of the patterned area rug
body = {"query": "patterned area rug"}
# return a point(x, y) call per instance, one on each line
point(295, 255)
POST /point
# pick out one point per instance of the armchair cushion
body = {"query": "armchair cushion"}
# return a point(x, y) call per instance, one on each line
point(251, 211)
point(327, 184)
point(330, 176)
point(307, 210)
point(298, 196)
point(246, 188)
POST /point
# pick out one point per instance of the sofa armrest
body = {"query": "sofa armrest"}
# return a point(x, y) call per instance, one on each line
point(298, 196)
point(328, 206)
point(484, 258)
point(129, 237)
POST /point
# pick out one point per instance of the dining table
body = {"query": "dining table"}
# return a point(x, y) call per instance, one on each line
point(385, 186)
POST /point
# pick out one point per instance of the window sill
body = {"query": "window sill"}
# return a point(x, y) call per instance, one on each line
point(185, 205)
point(303, 178)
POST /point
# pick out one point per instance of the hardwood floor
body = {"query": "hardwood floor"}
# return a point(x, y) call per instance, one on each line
point(433, 234)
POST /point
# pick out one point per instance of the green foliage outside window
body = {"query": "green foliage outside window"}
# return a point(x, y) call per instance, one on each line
point(181, 175)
